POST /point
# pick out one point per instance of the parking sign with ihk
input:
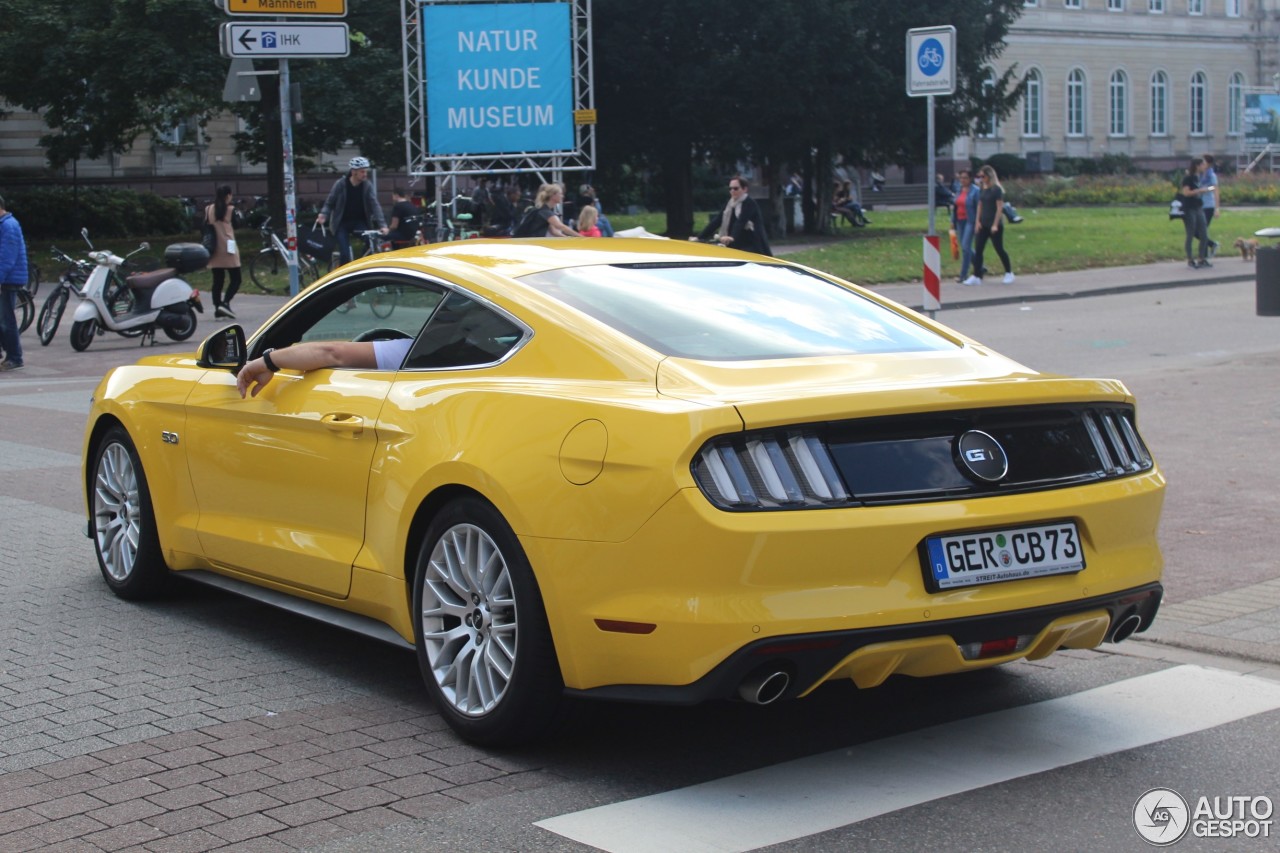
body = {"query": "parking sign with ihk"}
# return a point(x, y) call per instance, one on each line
point(931, 61)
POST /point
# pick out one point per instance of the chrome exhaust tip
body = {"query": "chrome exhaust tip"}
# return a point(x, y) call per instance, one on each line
point(764, 687)
point(1127, 628)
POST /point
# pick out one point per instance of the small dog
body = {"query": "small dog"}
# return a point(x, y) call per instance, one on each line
point(1248, 248)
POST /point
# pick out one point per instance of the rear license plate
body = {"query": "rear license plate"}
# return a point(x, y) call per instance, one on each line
point(988, 556)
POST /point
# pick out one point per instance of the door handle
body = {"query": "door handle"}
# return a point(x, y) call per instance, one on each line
point(343, 422)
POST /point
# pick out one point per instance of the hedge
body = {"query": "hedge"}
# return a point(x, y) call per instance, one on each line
point(49, 213)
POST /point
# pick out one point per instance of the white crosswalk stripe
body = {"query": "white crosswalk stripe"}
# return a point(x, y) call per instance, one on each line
point(776, 804)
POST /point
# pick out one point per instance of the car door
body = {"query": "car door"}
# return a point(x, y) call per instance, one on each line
point(281, 479)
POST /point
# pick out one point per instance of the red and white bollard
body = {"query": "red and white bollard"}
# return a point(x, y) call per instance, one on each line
point(932, 274)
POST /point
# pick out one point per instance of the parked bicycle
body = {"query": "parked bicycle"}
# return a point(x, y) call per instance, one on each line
point(269, 268)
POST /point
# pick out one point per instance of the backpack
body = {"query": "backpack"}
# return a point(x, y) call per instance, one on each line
point(528, 225)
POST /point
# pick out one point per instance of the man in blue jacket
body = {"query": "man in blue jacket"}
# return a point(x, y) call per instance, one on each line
point(13, 275)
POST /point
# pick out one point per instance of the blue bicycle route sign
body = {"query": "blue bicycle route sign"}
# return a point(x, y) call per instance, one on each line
point(931, 61)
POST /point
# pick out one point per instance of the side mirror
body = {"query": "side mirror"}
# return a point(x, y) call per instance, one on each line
point(225, 348)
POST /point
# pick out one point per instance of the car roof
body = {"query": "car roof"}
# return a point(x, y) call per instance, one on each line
point(516, 257)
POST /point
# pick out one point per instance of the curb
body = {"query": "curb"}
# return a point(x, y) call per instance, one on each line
point(1017, 298)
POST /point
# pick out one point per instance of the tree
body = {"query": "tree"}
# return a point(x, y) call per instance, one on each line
point(789, 81)
point(103, 72)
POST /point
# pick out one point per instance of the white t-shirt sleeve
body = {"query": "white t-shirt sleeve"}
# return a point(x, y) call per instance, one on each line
point(390, 354)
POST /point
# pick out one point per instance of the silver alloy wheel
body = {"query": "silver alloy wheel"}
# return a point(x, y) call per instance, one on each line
point(469, 619)
point(117, 511)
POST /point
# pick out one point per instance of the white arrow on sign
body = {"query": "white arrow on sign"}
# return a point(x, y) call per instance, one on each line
point(286, 41)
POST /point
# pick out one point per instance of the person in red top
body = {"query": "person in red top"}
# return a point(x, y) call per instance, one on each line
point(587, 220)
point(964, 213)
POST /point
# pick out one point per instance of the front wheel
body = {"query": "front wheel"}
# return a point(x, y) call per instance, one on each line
point(25, 306)
point(179, 321)
point(484, 645)
point(382, 300)
point(124, 525)
point(51, 315)
point(82, 332)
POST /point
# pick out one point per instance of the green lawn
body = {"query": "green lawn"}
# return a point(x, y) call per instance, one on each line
point(1048, 240)
point(889, 250)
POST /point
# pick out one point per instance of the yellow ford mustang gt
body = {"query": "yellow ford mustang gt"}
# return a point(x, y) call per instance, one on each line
point(640, 470)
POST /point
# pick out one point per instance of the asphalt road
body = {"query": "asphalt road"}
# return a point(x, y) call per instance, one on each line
point(204, 722)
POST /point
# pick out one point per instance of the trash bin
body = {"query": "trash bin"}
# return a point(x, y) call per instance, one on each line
point(1268, 281)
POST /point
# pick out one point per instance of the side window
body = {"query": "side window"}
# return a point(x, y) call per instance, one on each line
point(463, 333)
point(372, 308)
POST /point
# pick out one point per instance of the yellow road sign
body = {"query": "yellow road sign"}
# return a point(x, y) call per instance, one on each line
point(277, 8)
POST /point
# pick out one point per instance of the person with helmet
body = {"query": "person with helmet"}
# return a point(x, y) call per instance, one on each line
point(351, 206)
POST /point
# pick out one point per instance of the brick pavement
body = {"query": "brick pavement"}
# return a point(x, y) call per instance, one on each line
point(202, 721)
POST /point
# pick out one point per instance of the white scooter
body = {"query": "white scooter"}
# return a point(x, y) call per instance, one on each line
point(141, 303)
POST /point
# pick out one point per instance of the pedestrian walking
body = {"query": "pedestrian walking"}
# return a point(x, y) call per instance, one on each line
point(989, 228)
point(1192, 193)
point(224, 263)
point(964, 217)
point(741, 225)
point(13, 276)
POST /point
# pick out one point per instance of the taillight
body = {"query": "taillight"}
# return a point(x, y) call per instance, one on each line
point(769, 470)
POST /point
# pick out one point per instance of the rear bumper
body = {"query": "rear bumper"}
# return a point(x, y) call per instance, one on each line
point(870, 655)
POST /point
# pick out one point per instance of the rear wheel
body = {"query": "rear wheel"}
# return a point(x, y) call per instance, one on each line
point(179, 321)
point(82, 332)
point(268, 272)
point(124, 526)
point(484, 645)
point(51, 315)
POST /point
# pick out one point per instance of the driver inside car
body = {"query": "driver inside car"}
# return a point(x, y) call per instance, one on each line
point(313, 355)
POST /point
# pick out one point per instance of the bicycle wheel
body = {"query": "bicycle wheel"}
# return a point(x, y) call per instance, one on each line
point(25, 309)
point(268, 272)
point(51, 315)
point(382, 300)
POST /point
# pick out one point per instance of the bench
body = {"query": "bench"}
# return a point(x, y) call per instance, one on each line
point(896, 194)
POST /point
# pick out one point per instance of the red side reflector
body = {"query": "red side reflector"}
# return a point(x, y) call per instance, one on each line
point(619, 627)
point(996, 648)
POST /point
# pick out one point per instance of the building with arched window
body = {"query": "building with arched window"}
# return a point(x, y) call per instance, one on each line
point(1155, 80)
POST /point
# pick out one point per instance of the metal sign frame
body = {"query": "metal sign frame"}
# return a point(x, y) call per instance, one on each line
point(947, 36)
point(446, 169)
point(292, 28)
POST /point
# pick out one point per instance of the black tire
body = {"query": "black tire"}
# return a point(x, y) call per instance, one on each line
point(25, 309)
point(51, 315)
point(269, 273)
point(382, 301)
point(463, 631)
point(82, 333)
point(183, 329)
point(122, 522)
